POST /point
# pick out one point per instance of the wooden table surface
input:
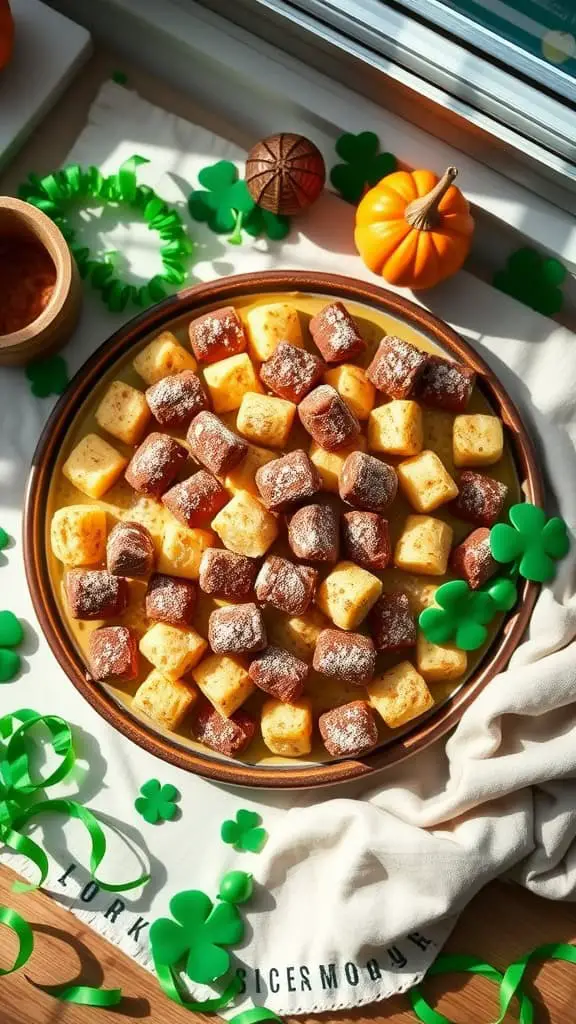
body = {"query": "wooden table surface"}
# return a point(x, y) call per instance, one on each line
point(501, 924)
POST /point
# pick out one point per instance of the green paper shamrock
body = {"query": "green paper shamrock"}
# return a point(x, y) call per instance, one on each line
point(243, 833)
point(223, 202)
point(197, 935)
point(157, 803)
point(532, 540)
point(262, 222)
point(502, 592)
point(48, 376)
point(461, 616)
point(4, 539)
point(534, 280)
point(364, 166)
point(11, 635)
point(236, 887)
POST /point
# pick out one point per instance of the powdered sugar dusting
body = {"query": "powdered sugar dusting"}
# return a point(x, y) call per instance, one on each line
point(290, 478)
point(95, 593)
point(112, 653)
point(327, 418)
point(336, 334)
point(392, 624)
point(174, 400)
point(286, 586)
point(237, 630)
point(367, 539)
point(480, 499)
point(227, 574)
point(349, 730)
point(347, 656)
point(217, 335)
point(280, 673)
point(155, 464)
point(291, 372)
point(396, 367)
point(196, 500)
point(368, 482)
point(214, 445)
point(446, 385)
point(313, 533)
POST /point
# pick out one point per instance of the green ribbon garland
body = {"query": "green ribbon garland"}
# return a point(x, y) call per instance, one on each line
point(168, 984)
point(73, 185)
point(510, 982)
point(18, 790)
point(85, 995)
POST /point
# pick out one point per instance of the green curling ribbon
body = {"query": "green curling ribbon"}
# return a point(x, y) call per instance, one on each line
point(514, 975)
point(18, 804)
point(82, 994)
point(74, 186)
point(254, 1016)
point(168, 984)
point(450, 964)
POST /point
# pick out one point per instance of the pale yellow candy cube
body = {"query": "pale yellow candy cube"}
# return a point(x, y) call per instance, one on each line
point(245, 526)
point(396, 428)
point(182, 549)
point(224, 681)
point(78, 535)
point(424, 546)
point(287, 728)
point(171, 650)
point(426, 482)
point(347, 594)
point(93, 466)
point(269, 325)
point(478, 440)
point(123, 412)
point(163, 356)
point(439, 663)
point(265, 420)
point(399, 695)
point(329, 464)
point(351, 382)
point(166, 701)
point(297, 633)
point(243, 477)
point(229, 380)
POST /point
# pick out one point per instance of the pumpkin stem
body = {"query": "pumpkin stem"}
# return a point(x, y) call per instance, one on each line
point(422, 213)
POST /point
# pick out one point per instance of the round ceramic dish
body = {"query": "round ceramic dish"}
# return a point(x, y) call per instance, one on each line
point(174, 313)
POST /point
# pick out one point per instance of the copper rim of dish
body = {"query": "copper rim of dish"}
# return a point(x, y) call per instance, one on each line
point(187, 302)
point(49, 235)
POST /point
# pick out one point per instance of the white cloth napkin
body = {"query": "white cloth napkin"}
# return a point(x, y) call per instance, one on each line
point(359, 886)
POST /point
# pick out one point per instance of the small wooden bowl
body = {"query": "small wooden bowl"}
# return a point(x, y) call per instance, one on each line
point(52, 329)
point(188, 304)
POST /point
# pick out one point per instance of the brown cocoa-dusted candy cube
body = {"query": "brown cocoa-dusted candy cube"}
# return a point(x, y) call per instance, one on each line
point(214, 445)
point(217, 335)
point(170, 599)
point(480, 498)
point(472, 559)
point(327, 418)
point(238, 629)
point(286, 586)
point(313, 533)
point(95, 593)
point(155, 464)
point(347, 656)
point(392, 623)
point(175, 400)
point(195, 501)
point(335, 334)
point(279, 673)
point(367, 482)
point(227, 575)
point(130, 550)
point(228, 736)
point(286, 480)
point(113, 653)
point(366, 538)
point(445, 385)
point(291, 372)
point(350, 730)
point(396, 367)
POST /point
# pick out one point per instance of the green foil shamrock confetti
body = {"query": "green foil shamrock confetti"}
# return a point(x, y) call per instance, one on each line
point(225, 204)
point(48, 376)
point(74, 186)
point(21, 799)
point(534, 280)
point(533, 542)
point(364, 165)
point(244, 832)
point(156, 802)
point(85, 995)
point(236, 887)
point(197, 937)
point(461, 616)
point(11, 635)
point(4, 539)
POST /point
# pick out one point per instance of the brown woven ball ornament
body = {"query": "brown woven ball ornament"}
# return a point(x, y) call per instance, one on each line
point(285, 173)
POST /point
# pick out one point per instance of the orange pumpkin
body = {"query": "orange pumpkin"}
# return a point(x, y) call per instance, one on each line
point(6, 33)
point(413, 228)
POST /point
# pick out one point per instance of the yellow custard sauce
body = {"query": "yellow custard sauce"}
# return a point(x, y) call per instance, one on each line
point(122, 503)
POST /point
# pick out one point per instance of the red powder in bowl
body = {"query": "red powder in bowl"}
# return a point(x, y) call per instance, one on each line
point(27, 279)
